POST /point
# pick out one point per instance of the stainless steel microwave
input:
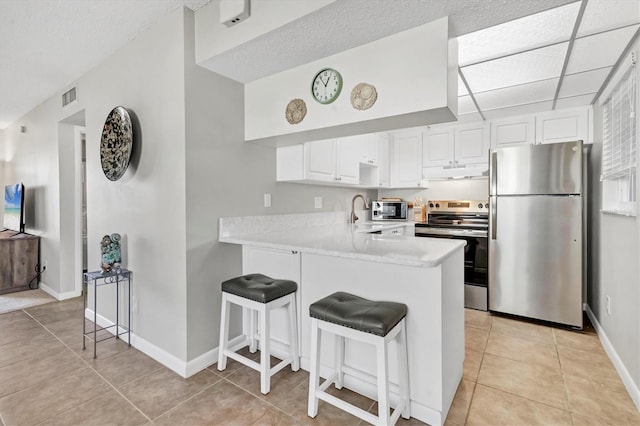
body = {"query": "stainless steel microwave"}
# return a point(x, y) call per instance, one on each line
point(389, 210)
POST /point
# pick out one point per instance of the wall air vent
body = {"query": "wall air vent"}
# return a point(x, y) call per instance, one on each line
point(68, 96)
point(233, 12)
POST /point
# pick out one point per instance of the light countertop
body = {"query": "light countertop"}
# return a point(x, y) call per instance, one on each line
point(348, 241)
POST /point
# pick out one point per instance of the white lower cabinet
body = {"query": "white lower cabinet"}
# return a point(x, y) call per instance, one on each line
point(277, 264)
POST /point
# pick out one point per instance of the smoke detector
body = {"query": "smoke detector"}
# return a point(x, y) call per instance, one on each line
point(233, 12)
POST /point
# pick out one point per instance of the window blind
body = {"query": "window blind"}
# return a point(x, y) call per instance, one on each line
point(619, 148)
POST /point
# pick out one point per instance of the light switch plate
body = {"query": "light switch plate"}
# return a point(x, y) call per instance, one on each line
point(267, 200)
point(317, 202)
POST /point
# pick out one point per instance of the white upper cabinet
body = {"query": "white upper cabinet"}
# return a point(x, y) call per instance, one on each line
point(471, 144)
point(513, 131)
point(563, 126)
point(406, 159)
point(348, 155)
point(382, 144)
point(320, 160)
point(438, 147)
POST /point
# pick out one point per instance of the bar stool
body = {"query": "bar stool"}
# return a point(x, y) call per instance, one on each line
point(376, 323)
point(260, 294)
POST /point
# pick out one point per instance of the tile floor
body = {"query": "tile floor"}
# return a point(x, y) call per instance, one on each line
point(515, 373)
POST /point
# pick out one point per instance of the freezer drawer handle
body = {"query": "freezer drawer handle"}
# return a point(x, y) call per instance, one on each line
point(494, 214)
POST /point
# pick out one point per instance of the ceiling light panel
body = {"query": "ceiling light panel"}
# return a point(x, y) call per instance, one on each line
point(575, 101)
point(526, 67)
point(600, 50)
point(604, 15)
point(462, 89)
point(530, 32)
point(466, 105)
point(584, 82)
point(517, 95)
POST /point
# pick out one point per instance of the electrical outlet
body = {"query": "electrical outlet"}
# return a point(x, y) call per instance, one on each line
point(608, 299)
point(317, 202)
point(44, 266)
point(267, 200)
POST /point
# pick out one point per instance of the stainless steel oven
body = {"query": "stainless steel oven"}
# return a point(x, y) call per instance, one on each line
point(466, 220)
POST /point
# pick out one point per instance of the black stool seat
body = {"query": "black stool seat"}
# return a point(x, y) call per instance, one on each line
point(360, 314)
point(258, 287)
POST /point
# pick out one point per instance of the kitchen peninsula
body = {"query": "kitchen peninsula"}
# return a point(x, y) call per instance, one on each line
point(324, 254)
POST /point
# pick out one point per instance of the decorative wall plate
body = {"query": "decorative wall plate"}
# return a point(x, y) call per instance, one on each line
point(116, 143)
point(296, 111)
point(363, 96)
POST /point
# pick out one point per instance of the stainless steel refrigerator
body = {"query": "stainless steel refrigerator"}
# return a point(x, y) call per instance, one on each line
point(536, 232)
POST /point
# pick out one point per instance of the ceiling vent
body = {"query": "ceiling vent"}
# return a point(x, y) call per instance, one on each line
point(233, 12)
point(69, 96)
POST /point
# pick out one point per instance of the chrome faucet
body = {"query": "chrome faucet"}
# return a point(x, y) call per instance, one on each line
point(353, 218)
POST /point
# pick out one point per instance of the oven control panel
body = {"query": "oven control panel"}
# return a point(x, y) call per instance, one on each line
point(458, 206)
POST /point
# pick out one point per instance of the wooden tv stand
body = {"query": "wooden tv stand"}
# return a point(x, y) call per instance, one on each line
point(19, 259)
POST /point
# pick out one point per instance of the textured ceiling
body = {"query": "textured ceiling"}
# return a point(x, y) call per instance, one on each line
point(47, 44)
point(348, 23)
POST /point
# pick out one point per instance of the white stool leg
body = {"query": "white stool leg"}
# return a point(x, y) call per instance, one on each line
point(314, 368)
point(265, 358)
point(224, 333)
point(403, 367)
point(383, 382)
point(339, 362)
point(293, 333)
point(253, 329)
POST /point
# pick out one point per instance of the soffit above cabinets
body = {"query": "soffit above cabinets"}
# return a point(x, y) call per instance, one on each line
point(558, 58)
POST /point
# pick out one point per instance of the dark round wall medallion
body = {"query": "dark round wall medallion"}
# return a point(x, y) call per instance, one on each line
point(116, 143)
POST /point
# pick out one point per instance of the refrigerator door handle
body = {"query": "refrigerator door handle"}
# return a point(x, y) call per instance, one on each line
point(494, 216)
point(493, 173)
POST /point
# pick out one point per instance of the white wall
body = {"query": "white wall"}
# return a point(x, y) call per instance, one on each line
point(614, 261)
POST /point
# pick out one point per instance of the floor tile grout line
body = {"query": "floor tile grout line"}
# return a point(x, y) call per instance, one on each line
point(475, 383)
point(258, 398)
point(189, 398)
point(90, 367)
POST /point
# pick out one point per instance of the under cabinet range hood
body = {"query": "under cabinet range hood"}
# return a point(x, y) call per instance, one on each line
point(460, 172)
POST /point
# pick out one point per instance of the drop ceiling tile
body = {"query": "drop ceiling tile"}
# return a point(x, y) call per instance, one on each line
point(604, 15)
point(466, 105)
point(600, 50)
point(583, 82)
point(533, 31)
point(526, 67)
point(518, 110)
point(517, 95)
point(575, 101)
point(462, 89)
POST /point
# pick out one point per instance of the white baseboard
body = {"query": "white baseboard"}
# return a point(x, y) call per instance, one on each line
point(59, 296)
point(175, 364)
point(627, 380)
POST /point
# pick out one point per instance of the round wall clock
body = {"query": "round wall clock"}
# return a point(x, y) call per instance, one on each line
point(116, 143)
point(326, 86)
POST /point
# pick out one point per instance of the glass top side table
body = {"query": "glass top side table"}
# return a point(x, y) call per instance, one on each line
point(99, 279)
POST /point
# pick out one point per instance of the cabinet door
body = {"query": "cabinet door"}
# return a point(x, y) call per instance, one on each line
point(563, 126)
point(406, 165)
point(471, 144)
point(382, 145)
point(512, 131)
point(320, 160)
point(348, 154)
point(438, 146)
point(274, 263)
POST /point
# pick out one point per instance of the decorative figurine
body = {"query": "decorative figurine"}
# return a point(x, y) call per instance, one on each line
point(110, 249)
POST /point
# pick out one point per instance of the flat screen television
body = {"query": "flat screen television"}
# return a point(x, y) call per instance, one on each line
point(13, 218)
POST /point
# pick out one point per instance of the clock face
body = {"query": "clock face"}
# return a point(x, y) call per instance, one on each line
point(326, 86)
